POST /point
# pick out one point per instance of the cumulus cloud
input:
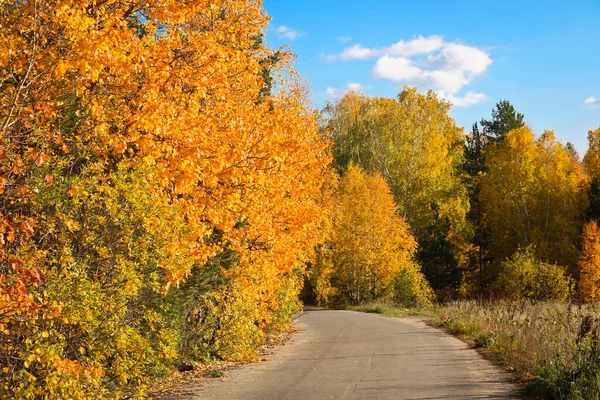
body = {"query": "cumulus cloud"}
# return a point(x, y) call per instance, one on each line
point(416, 46)
point(592, 102)
point(396, 69)
point(356, 52)
point(467, 100)
point(283, 32)
point(336, 93)
point(419, 45)
point(428, 62)
point(459, 57)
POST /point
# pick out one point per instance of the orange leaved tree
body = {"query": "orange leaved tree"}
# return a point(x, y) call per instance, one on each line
point(140, 144)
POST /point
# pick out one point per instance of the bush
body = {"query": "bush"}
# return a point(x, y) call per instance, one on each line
point(411, 289)
point(525, 277)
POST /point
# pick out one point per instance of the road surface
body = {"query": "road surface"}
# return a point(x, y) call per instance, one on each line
point(351, 355)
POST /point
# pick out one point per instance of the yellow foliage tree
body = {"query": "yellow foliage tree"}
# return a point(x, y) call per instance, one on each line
point(592, 156)
point(411, 141)
point(370, 244)
point(532, 194)
point(589, 263)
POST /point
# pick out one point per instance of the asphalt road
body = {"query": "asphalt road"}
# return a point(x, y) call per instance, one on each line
point(351, 355)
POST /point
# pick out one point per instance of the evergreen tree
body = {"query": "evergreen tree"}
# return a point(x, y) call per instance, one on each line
point(504, 119)
point(437, 259)
point(475, 146)
point(476, 277)
point(593, 210)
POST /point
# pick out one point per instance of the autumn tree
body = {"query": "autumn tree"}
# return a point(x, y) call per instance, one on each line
point(532, 196)
point(370, 245)
point(504, 119)
point(591, 163)
point(146, 145)
point(477, 270)
point(592, 156)
point(589, 263)
point(414, 144)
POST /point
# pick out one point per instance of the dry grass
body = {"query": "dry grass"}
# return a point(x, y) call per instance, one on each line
point(389, 309)
point(553, 348)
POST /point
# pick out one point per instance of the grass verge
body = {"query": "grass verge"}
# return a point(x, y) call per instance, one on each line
point(553, 348)
point(391, 310)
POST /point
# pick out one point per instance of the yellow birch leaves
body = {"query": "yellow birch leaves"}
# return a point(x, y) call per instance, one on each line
point(370, 245)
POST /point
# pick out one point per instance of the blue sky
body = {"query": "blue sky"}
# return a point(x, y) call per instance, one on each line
point(543, 56)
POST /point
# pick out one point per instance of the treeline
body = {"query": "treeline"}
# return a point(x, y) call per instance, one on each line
point(160, 191)
point(496, 213)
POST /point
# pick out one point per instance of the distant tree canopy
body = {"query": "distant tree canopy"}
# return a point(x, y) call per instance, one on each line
point(417, 147)
point(472, 201)
point(532, 196)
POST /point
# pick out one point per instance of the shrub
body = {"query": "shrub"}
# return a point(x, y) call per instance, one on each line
point(525, 277)
point(411, 288)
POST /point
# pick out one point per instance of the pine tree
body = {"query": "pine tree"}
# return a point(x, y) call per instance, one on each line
point(504, 119)
point(476, 276)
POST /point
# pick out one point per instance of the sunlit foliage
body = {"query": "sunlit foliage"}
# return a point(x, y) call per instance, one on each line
point(532, 194)
point(371, 248)
point(592, 156)
point(417, 147)
point(589, 263)
point(525, 277)
point(146, 145)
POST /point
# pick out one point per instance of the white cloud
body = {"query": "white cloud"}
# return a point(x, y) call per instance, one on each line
point(416, 46)
point(336, 93)
point(396, 69)
point(356, 52)
point(343, 39)
point(459, 57)
point(427, 62)
point(592, 102)
point(467, 100)
point(419, 45)
point(283, 32)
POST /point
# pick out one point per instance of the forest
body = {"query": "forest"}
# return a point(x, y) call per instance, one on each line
point(168, 192)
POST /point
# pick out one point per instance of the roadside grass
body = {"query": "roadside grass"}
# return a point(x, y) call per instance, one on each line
point(391, 310)
point(553, 348)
